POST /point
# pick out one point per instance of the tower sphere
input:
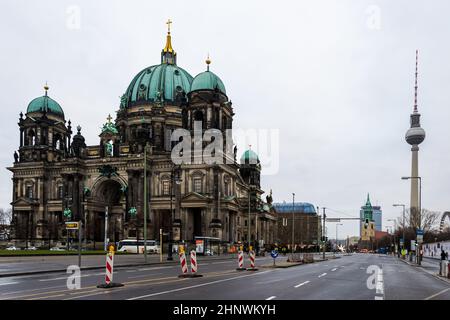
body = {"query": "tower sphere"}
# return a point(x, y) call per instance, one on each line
point(415, 136)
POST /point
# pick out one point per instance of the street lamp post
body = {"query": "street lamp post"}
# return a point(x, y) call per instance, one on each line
point(419, 216)
point(174, 180)
point(337, 224)
point(293, 224)
point(404, 226)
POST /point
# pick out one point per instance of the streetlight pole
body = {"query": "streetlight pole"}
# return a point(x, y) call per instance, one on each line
point(318, 230)
point(337, 224)
point(323, 233)
point(404, 226)
point(293, 224)
point(145, 202)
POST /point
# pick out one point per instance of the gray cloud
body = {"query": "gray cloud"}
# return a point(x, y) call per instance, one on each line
point(339, 90)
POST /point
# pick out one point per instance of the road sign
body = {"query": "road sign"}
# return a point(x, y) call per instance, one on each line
point(402, 242)
point(419, 232)
point(274, 254)
point(333, 220)
point(72, 225)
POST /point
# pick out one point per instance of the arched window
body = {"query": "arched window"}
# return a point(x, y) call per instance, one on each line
point(198, 116)
point(31, 137)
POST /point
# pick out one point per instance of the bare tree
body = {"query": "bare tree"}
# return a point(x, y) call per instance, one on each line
point(429, 220)
point(5, 216)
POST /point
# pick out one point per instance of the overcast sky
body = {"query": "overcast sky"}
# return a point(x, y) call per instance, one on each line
point(335, 77)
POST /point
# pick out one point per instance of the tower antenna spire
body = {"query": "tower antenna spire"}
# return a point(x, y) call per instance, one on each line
point(416, 110)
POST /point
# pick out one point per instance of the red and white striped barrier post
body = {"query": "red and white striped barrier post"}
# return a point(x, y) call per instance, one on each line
point(109, 268)
point(252, 261)
point(109, 271)
point(240, 261)
point(193, 262)
point(184, 267)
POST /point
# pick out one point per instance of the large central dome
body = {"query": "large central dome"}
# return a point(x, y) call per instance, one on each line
point(161, 82)
point(158, 83)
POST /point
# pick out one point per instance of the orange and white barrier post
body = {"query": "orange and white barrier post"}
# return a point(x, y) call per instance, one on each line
point(193, 262)
point(109, 271)
point(240, 261)
point(184, 267)
point(252, 261)
point(109, 268)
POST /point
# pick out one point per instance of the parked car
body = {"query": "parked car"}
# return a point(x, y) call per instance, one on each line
point(57, 249)
point(12, 248)
point(33, 248)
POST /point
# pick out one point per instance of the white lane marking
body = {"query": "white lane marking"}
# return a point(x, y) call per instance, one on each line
point(222, 262)
point(437, 294)
point(197, 286)
point(132, 271)
point(301, 284)
point(334, 269)
point(323, 275)
point(145, 275)
point(380, 283)
point(155, 268)
point(271, 298)
point(65, 278)
point(31, 290)
point(379, 298)
point(87, 295)
point(7, 283)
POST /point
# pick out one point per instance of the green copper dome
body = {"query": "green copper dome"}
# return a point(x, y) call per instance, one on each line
point(157, 83)
point(45, 104)
point(249, 157)
point(208, 81)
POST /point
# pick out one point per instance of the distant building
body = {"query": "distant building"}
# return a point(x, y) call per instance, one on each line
point(307, 225)
point(377, 216)
point(367, 226)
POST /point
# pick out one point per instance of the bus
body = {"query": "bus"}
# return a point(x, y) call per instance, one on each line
point(135, 246)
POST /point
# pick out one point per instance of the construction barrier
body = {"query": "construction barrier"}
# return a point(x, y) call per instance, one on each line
point(252, 261)
point(184, 267)
point(109, 272)
point(194, 266)
point(241, 261)
point(193, 262)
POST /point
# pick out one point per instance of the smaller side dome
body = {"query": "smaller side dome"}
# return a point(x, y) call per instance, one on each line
point(250, 157)
point(45, 104)
point(208, 81)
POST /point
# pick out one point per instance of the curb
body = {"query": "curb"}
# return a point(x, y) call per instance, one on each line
point(27, 273)
point(435, 275)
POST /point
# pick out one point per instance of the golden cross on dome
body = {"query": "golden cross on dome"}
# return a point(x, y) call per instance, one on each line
point(169, 22)
point(46, 87)
point(109, 118)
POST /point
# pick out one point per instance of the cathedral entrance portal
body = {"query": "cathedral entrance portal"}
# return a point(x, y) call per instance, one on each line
point(194, 224)
point(107, 195)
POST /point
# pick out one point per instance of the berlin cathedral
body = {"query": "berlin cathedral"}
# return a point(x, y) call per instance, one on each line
point(58, 178)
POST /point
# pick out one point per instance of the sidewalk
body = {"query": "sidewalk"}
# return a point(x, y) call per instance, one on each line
point(430, 266)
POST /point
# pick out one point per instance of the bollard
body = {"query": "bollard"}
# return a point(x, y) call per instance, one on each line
point(184, 268)
point(241, 261)
point(193, 262)
point(194, 266)
point(252, 261)
point(109, 272)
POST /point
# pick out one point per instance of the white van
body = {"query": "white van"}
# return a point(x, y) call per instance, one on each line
point(133, 245)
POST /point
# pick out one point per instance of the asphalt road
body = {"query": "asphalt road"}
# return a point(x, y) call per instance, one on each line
point(356, 277)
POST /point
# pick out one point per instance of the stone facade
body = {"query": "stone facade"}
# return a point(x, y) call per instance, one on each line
point(54, 171)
